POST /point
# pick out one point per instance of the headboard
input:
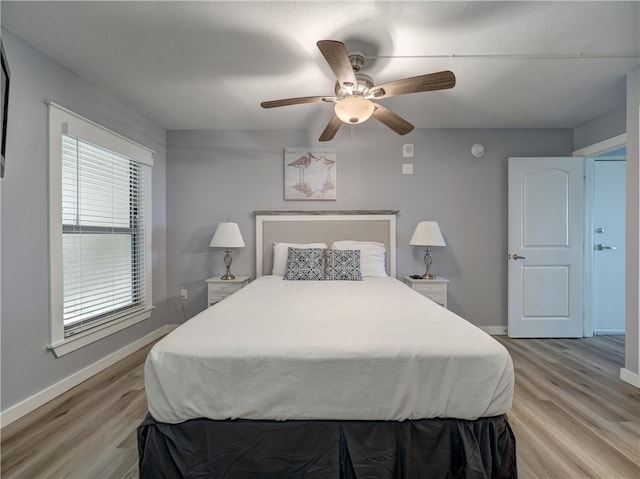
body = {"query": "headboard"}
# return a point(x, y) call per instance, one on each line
point(323, 227)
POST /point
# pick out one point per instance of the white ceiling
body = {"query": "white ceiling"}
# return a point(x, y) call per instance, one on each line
point(202, 65)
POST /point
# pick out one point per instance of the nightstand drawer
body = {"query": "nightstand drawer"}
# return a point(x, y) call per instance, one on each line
point(223, 289)
point(434, 289)
point(429, 289)
point(437, 298)
point(218, 289)
point(214, 298)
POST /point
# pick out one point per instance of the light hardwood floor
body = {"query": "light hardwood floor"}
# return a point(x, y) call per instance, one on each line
point(572, 417)
point(88, 432)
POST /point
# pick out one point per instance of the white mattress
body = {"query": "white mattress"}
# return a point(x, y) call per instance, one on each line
point(359, 350)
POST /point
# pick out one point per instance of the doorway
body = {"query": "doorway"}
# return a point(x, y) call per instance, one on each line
point(601, 282)
point(604, 290)
point(607, 245)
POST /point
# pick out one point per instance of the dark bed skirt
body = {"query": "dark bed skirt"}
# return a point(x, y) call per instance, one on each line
point(242, 449)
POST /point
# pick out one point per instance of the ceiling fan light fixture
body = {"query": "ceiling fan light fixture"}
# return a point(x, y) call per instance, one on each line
point(354, 109)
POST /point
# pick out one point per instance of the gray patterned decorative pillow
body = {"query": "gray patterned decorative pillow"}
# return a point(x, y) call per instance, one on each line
point(304, 264)
point(343, 264)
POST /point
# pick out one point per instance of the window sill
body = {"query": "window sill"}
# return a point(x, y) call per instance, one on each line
point(80, 340)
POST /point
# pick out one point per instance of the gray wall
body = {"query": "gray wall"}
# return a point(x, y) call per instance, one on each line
point(27, 366)
point(213, 175)
point(616, 122)
point(601, 128)
point(632, 339)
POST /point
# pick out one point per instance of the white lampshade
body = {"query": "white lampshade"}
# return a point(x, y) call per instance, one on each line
point(227, 235)
point(427, 233)
point(354, 110)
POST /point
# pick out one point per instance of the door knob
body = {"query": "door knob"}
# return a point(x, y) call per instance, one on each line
point(601, 247)
point(516, 256)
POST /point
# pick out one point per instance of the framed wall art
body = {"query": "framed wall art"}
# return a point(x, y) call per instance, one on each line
point(310, 173)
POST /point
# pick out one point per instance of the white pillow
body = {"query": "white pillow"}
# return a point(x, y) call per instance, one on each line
point(280, 251)
point(372, 256)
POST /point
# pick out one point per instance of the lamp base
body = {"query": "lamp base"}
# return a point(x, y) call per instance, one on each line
point(427, 263)
point(227, 263)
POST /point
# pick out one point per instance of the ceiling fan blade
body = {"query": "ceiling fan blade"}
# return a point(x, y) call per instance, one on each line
point(293, 101)
point(331, 129)
point(429, 82)
point(337, 57)
point(392, 120)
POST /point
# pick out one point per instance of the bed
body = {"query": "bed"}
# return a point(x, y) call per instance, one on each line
point(346, 378)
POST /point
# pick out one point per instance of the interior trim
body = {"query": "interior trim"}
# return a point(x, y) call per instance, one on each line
point(602, 146)
point(30, 404)
point(325, 212)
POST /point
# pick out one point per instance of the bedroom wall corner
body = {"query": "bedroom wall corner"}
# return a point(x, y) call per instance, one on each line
point(631, 371)
point(601, 128)
point(27, 367)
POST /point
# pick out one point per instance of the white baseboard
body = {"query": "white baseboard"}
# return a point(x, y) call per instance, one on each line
point(608, 332)
point(630, 377)
point(494, 330)
point(32, 403)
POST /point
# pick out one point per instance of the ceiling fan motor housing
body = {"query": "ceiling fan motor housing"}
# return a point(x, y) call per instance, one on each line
point(365, 83)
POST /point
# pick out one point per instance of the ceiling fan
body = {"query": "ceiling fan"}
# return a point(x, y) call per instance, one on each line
point(355, 92)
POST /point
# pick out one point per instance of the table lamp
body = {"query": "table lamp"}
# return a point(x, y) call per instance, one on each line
point(427, 234)
point(227, 236)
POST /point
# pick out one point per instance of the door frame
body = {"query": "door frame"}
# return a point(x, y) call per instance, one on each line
point(588, 153)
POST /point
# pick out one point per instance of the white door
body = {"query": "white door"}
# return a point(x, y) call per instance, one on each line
point(545, 257)
point(608, 237)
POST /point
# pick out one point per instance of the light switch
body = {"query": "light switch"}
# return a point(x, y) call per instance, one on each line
point(407, 168)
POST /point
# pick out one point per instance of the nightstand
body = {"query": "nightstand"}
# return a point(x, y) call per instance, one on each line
point(434, 289)
point(218, 289)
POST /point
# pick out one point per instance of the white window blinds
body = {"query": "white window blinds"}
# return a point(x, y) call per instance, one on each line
point(100, 260)
point(103, 235)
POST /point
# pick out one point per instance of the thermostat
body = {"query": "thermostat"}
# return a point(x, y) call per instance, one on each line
point(407, 150)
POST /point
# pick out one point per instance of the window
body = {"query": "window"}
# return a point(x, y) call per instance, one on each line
point(99, 227)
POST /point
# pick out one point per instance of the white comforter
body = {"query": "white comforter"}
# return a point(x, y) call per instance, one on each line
point(366, 350)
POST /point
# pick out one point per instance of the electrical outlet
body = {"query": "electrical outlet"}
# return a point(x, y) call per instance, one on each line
point(407, 168)
point(184, 294)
